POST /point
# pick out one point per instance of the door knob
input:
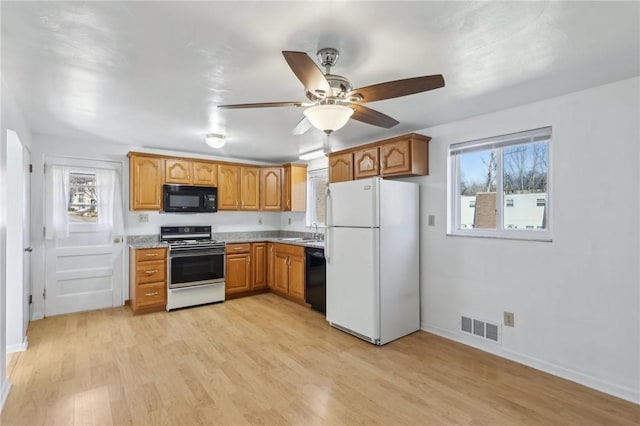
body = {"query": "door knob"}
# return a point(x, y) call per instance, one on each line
point(28, 249)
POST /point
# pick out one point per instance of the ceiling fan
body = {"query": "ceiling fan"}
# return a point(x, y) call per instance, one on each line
point(331, 98)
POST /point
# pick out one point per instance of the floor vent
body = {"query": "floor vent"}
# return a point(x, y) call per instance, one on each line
point(480, 328)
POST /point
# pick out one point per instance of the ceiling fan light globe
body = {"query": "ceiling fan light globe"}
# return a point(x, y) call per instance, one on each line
point(328, 118)
point(214, 140)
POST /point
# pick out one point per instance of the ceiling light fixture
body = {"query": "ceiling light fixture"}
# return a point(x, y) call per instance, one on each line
point(328, 117)
point(312, 154)
point(214, 140)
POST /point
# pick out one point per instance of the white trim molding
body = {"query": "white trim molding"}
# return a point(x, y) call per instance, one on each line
point(18, 347)
point(4, 393)
point(626, 393)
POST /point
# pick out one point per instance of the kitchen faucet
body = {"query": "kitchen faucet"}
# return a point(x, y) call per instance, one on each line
point(315, 235)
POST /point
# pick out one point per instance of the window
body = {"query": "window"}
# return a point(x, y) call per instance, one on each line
point(489, 175)
point(82, 206)
point(316, 196)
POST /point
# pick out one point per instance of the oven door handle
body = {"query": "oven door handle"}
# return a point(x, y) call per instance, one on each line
point(193, 253)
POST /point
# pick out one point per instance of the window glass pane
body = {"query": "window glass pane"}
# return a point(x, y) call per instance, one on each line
point(525, 185)
point(477, 191)
point(321, 190)
point(82, 206)
point(316, 193)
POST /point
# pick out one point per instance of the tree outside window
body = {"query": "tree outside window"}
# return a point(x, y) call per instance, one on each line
point(492, 174)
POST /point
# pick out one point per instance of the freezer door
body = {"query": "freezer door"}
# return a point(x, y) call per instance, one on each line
point(353, 203)
point(353, 299)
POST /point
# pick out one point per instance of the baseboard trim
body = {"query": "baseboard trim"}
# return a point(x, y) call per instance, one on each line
point(37, 316)
point(4, 393)
point(18, 347)
point(623, 392)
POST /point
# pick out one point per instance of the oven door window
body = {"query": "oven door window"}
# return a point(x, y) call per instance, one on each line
point(196, 268)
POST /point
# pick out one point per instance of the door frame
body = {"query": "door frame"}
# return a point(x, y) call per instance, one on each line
point(119, 292)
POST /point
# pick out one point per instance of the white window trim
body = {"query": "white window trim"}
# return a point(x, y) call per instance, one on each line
point(453, 185)
point(310, 216)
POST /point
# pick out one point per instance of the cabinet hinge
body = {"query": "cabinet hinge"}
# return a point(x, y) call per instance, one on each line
point(30, 299)
point(30, 168)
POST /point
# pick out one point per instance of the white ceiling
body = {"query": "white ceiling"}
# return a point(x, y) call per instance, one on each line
point(150, 74)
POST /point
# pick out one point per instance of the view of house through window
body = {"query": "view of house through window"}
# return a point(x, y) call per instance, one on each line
point(82, 206)
point(501, 184)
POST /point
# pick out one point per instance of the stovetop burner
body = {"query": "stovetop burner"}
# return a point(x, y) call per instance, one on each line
point(188, 237)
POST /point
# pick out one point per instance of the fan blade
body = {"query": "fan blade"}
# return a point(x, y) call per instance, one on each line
point(302, 127)
point(395, 89)
point(308, 73)
point(261, 105)
point(371, 116)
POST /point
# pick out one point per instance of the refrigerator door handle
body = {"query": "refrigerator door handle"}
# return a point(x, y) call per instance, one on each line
point(328, 223)
point(327, 244)
point(327, 207)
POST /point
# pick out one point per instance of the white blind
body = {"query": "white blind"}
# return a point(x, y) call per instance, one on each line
point(536, 135)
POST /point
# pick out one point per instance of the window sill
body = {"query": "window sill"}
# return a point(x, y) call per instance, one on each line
point(521, 236)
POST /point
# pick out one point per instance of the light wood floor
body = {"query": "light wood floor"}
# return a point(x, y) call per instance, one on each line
point(265, 360)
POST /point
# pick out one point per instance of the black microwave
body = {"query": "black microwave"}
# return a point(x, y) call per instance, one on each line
point(190, 199)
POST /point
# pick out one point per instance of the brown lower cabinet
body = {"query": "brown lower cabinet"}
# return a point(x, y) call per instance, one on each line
point(245, 268)
point(147, 279)
point(288, 271)
point(256, 267)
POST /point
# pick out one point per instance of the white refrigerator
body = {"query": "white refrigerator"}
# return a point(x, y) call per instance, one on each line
point(372, 245)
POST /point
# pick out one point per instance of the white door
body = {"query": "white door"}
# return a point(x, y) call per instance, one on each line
point(26, 237)
point(84, 268)
point(353, 203)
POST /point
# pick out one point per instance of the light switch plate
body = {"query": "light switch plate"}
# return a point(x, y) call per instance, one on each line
point(143, 217)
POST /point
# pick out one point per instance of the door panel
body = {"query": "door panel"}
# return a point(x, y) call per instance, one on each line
point(85, 270)
point(353, 203)
point(353, 279)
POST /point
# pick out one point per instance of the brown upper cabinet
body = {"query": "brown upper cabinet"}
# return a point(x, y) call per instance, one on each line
point(402, 156)
point(145, 182)
point(238, 187)
point(271, 188)
point(340, 166)
point(294, 194)
point(365, 163)
point(187, 172)
point(205, 173)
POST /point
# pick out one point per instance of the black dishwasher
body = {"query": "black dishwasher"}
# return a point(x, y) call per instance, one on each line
point(315, 279)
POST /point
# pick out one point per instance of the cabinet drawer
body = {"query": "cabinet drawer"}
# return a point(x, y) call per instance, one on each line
point(152, 271)
point(289, 249)
point(150, 254)
point(238, 248)
point(151, 294)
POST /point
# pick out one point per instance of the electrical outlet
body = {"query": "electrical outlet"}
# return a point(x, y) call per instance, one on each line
point(509, 320)
point(431, 220)
point(259, 221)
point(143, 217)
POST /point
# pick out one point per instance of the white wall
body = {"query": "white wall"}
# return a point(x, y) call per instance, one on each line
point(577, 299)
point(13, 119)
